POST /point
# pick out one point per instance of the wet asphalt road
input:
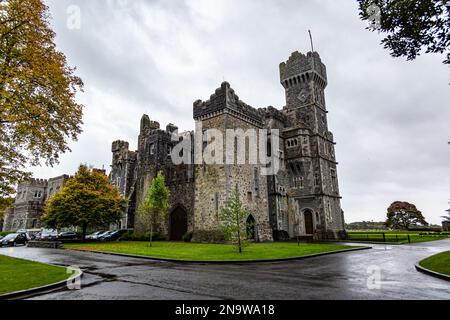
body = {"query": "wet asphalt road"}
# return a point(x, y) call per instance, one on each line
point(339, 276)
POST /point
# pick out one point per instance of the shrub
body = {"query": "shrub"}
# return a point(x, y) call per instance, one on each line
point(187, 237)
point(2, 234)
point(209, 236)
point(131, 235)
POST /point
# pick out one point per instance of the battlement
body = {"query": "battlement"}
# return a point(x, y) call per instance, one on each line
point(120, 145)
point(171, 128)
point(301, 68)
point(147, 124)
point(273, 113)
point(63, 178)
point(226, 100)
point(37, 182)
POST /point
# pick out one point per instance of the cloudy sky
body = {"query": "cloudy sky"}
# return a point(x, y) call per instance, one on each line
point(389, 117)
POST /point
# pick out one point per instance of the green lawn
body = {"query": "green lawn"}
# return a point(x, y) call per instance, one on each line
point(400, 237)
point(209, 252)
point(18, 274)
point(438, 263)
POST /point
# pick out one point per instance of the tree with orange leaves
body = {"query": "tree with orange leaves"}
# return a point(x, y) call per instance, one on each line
point(401, 215)
point(38, 111)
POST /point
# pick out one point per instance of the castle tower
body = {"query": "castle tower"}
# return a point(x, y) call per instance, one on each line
point(225, 112)
point(304, 78)
point(309, 146)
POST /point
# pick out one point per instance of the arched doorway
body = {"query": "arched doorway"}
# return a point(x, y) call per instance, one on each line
point(251, 225)
point(178, 223)
point(309, 228)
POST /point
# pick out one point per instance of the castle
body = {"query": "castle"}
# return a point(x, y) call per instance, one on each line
point(300, 199)
point(29, 203)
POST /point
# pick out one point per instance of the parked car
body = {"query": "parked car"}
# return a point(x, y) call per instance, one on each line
point(32, 233)
point(14, 239)
point(48, 234)
point(95, 235)
point(104, 234)
point(113, 235)
point(69, 235)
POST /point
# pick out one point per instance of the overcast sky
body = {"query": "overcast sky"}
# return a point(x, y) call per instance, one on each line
point(389, 117)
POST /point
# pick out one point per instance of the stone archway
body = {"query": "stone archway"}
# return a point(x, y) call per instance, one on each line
point(178, 224)
point(251, 227)
point(308, 218)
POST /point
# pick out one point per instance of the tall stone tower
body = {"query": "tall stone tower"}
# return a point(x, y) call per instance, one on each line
point(214, 183)
point(305, 79)
point(309, 145)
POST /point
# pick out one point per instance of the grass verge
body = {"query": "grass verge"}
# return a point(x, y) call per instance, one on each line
point(18, 274)
point(210, 252)
point(395, 237)
point(438, 263)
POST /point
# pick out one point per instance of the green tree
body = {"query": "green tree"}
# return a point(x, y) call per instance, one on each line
point(86, 200)
point(155, 206)
point(447, 217)
point(401, 215)
point(232, 221)
point(410, 25)
point(5, 204)
point(38, 112)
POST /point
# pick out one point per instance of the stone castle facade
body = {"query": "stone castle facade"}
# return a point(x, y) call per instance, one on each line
point(301, 199)
point(29, 204)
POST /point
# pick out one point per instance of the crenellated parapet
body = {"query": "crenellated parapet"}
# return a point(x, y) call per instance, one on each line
point(37, 182)
point(273, 113)
point(120, 145)
point(303, 68)
point(148, 125)
point(225, 100)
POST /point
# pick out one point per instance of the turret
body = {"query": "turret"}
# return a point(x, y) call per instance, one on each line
point(304, 78)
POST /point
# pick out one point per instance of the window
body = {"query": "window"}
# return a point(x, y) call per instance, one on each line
point(328, 212)
point(298, 182)
point(216, 202)
point(152, 148)
point(317, 179)
point(249, 197)
point(333, 179)
point(256, 181)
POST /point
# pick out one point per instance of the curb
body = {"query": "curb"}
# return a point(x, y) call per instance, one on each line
point(222, 261)
point(431, 273)
point(27, 293)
